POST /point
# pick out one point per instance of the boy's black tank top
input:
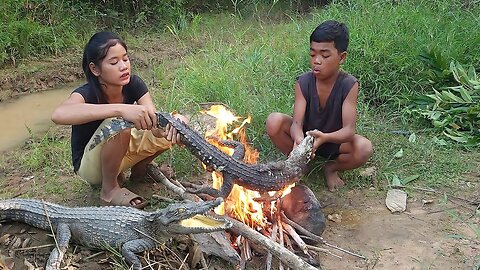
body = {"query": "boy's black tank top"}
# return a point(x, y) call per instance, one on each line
point(328, 119)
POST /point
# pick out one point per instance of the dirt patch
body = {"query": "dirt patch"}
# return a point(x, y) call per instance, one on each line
point(33, 77)
point(423, 237)
point(439, 234)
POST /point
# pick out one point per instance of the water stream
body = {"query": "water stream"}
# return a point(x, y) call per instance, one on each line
point(29, 112)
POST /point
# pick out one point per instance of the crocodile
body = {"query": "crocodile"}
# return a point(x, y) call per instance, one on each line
point(262, 177)
point(127, 229)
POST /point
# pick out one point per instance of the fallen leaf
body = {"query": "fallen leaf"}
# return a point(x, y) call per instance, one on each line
point(28, 265)
point(194, 256)
point(17, 243)
point(6, 263)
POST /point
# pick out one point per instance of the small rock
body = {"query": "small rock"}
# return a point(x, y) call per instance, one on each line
point(396, 200)
point(337, 218)
point(424, 201)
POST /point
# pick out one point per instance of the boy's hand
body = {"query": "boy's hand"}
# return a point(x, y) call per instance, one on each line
point(319, 138)
point(297, 141)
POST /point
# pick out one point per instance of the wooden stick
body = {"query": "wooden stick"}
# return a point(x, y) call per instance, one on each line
point(35, 247)
point(243, 257)
point(322, 250)
point(291, 231)
point(280, 231)
point(283, 254)
point(316, 237)
point(273, 236)
point(248, 249)
point(155, 173)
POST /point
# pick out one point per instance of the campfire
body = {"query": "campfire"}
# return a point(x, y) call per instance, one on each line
point(241, 204)
point(259, 222)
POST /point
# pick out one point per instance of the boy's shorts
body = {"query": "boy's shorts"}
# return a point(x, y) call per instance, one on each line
point(329, 151)
point(143, 144)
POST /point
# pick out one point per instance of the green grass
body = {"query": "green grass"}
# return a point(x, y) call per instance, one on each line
point(251, 65)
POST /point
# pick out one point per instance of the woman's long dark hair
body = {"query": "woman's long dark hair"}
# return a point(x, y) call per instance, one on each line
point(94, 52)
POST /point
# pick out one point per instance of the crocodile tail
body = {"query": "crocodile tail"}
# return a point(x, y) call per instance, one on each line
point(110, 129)
point(31, 212)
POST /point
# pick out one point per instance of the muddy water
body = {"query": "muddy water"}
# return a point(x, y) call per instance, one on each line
point(29, 112)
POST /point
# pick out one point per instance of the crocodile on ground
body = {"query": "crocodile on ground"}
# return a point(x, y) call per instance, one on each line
point(271, 176)
point(127, 229)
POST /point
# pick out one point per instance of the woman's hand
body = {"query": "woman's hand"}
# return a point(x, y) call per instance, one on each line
point(140, 115)
point(170, 133)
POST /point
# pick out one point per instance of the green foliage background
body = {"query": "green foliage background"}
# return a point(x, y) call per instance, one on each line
point(38, 28)
point(247, 55)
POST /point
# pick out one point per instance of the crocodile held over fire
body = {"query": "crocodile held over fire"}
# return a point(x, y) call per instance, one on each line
point(125, 228)
point(272, 176)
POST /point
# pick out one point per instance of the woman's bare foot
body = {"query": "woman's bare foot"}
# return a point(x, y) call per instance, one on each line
point(334, 182)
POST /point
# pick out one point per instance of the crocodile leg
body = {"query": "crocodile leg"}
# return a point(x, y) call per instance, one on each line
point(238, 148)
point(56, 256)
point(135, 246)
point(228, 181)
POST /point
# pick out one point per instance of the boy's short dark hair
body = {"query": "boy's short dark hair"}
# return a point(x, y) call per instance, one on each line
point(331, 30)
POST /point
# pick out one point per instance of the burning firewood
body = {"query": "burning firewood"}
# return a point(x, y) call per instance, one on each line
point(258, 219)
point(284, 255)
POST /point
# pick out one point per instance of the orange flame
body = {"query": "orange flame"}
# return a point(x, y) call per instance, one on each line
point(240, 203)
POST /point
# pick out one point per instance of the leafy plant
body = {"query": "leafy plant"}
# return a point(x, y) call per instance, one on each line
point(454, 110)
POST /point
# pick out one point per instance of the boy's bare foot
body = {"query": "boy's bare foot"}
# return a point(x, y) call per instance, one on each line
point(334, 182)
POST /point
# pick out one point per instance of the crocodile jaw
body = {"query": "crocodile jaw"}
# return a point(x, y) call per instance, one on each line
point(302, 152)
point(199, 224)
point(191, 217)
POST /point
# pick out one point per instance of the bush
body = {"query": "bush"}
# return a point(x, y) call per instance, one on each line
point(37, 28)
point(454, 110)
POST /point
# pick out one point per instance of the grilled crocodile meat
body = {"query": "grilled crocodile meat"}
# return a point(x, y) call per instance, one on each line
point(271, 176)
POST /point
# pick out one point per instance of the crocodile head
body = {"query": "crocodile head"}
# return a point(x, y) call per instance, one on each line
point(302, 153)
point(189, 217)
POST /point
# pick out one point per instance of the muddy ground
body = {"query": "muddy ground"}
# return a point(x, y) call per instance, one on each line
point(435, 232)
